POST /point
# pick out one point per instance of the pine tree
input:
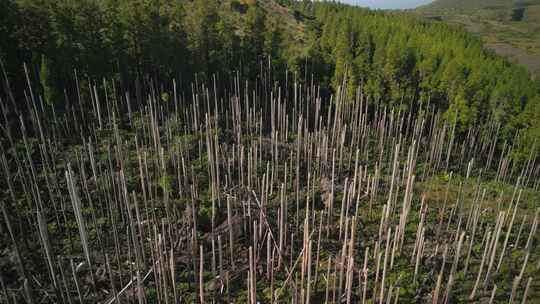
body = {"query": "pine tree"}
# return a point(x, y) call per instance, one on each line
point(47, 82)
point(254, 40)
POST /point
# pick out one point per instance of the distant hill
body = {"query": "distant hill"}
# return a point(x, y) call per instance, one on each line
point(509, 27)
point(502, 10)
point(467, 4)
point(479, 4)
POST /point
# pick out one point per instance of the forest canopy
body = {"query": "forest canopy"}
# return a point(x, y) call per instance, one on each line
point(397, 59)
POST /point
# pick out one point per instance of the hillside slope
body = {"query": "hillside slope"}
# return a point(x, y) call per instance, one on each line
point(468, 4)
point(239, 151)
point(510, 28)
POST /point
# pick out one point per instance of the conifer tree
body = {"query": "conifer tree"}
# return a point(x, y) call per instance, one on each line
point(47, 81)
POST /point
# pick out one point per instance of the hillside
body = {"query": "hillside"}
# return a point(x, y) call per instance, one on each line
point(243, 151)
point(465, 5)
point(510, 28)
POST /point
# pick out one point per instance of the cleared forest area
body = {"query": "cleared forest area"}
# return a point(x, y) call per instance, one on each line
point(260, 194)
point(244, 151)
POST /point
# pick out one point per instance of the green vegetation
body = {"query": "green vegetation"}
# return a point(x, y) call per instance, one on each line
point(244, 151)
point(200, 202)
point(403, 61)
point(464, 5)
point(399, 60)
point(510, 28)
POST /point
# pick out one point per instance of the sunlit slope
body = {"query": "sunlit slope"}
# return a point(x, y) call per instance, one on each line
point(510, 28)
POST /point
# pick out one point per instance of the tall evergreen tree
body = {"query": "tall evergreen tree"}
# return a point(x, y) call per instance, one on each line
point(47, 82)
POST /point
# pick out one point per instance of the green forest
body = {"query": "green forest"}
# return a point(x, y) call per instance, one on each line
point(261, 151)
point(509, 27)
point(399, 60)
